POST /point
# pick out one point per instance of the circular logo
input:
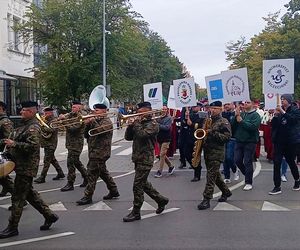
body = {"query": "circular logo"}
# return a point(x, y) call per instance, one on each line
point(276, 76)
point(184, 92)
point(235, 86)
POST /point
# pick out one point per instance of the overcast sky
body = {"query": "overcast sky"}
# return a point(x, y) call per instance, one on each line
point(198, 30)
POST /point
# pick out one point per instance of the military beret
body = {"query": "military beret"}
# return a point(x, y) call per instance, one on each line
point(216, 104)
point(99, 106)
point(48, 109)
point(3, 105)
point(200, 104)
point(29, 104)
point(76, 103)
point(143, 105)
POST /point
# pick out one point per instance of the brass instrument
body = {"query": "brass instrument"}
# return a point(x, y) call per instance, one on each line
point(124, 118)
point(42, 122)
point(200, 134)
point(6, 165)
point(62, 123)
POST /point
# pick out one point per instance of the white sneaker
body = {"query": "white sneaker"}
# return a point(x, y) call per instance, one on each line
point(247, 187)
point(227, 181)
point(283, 178)
point(236, 175)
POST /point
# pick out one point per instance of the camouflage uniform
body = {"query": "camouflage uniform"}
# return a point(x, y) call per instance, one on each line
point(214, 152)
point(143, 135)
point(6, 129)
point(49, 143)
point(25, 153)
point(99, 149)
point(74, 144)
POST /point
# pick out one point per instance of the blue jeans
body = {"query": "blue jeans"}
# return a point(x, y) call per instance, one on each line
point(229, 159)
point(243, 158)
point(284, 167)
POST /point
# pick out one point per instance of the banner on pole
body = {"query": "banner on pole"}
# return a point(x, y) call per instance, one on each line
point(185, 92)
point(153, 94)
point(235, 85)
point(214, 88)
point(278, 76)
point(270, 101)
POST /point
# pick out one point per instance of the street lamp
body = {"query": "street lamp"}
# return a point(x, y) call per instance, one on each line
point(104, 47)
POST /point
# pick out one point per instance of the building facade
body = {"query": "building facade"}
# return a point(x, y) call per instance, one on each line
point(17, 81)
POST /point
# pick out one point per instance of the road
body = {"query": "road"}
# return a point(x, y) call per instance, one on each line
point(249, 220)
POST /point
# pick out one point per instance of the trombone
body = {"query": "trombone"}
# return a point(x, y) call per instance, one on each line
point(156, 114)
point(62, 123)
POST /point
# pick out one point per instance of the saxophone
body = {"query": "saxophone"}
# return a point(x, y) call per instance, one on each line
point(200, 134)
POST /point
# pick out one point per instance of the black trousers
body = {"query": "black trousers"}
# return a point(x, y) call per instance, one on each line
point(288, 151)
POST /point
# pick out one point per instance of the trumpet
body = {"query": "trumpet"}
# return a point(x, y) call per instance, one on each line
point(41, 120)
point(62, 123)
point(124, 118)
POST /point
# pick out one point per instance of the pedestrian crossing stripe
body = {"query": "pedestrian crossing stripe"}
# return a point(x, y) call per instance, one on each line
point(127, 151)
point(268, 206)
point(5, 206)
point(164, 212)
point(98, 206)
point(85, 148)
point(59, 206)
point(224, 206)
point(145, 207)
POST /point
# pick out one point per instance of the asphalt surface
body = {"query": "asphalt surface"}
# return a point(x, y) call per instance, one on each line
point(249, 220)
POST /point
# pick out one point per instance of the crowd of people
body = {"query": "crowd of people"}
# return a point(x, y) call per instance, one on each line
point(229, 137)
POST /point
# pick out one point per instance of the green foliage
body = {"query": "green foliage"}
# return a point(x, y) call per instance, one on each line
point(72, 64)
point(279, 39)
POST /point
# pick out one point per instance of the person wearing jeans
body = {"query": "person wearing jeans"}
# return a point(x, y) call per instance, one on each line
point(245, 130)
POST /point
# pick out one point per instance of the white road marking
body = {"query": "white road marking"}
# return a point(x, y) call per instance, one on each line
point(6, 206)
point(59, 206)
point(98, 206)
point(114, 147)
point(224, 206)
point(127, 151)
point(164, 212)
point(145, 207)
point(236, 186)
point(268, 206)
point(19, 242)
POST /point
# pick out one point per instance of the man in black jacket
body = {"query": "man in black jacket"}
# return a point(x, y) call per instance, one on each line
point(286, 140)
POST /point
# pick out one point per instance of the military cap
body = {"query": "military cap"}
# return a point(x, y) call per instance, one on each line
point(29, 104)
point(76, 103)
point(3, 105)
point(143, 105)
point(48, 109)
point(99, 106)
point(216, 104)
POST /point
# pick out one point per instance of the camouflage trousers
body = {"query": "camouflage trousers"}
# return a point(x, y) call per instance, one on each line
point(49, 158)
point(73, 163)
point(23, 190)
point(213, 177)
point(141, 186)
point(96, 169)
point(7, 184)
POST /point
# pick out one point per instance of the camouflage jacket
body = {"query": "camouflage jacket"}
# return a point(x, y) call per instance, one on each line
point(49, 135)
point(74, 134)
point(99, 146)
point(217, 136)
point(25, 151)
point(6, 128)
point(143, 134)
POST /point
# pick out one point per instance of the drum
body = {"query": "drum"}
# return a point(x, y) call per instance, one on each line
point(6, 165)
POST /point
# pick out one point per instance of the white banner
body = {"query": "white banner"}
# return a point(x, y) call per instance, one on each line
point(214, 88)
point(235, 85)
point(171, 98)
point(185, 92)
point(278, 76)
point(270, 101)
point(153, 94)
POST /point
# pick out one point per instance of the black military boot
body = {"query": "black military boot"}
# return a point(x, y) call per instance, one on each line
point(59, 176)
point(134, 215)
point(84, 183)
point(111, 195)
point(161, 205)
point(9, 232)
point(67, 187)
point(204, 204)
point(224, 197)
point(40, 180)
point(84, 201)
point(48, 222)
